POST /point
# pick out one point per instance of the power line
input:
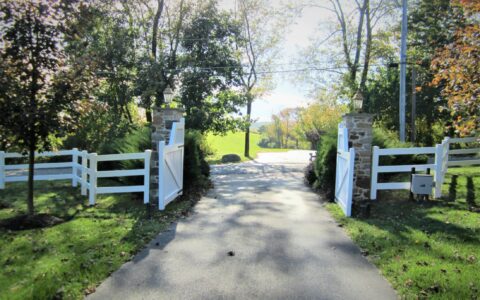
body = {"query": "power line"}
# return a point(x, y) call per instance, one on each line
point(308, 69)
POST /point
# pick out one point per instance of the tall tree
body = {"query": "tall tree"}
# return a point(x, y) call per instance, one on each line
point(38, 86)
point(158, 70)
point(262, 29)
point(357, 24)
point(210, 70)
point(457, 72)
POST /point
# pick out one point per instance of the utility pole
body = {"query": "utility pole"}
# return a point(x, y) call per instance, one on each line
point(414, 102)
point(403, 70)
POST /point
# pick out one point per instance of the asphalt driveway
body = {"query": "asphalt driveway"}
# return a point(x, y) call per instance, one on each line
point(283, 243)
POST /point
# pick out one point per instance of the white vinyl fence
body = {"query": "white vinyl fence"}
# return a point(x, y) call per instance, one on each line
point(50, 171)
point(87, 173)
point(93, 174)
point(344, 171)
point(439, 166)
point(468, 155)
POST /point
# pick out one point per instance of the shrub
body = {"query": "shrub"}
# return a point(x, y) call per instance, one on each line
point(196, 169)
point(385, 138)
point(325, 164)
point(97, 127)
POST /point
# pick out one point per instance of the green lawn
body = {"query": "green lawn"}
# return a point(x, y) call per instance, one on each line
point(70, 259)
point(234, 143)
point(429, 250)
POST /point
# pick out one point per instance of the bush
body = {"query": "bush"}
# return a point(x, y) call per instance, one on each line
point(385, 138)
point(97, 128)
point(325, 164)
point(196, 169)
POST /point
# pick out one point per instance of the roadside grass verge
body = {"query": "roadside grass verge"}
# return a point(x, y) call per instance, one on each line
point(426, 250)
point(70, 259)
point(234, 143)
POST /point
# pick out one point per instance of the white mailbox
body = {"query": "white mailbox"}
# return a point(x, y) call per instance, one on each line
point(422, 184)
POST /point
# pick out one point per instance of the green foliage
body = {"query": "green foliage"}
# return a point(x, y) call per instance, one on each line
point(105, 42)
point(37, 91)
point(325, 164)
point(211, 69)
point(385, 138)
point(97, 128)
point(196, 168)
point(136, 140)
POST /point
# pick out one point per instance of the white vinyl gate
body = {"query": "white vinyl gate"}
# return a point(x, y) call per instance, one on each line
point(170, 166)
point(344, 171)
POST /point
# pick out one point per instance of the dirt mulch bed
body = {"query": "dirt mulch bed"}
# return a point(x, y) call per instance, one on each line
point(23, 222)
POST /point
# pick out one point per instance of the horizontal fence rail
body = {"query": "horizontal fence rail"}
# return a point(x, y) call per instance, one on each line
point(468, 156)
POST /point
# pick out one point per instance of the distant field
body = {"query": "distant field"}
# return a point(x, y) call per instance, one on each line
point(234, 143)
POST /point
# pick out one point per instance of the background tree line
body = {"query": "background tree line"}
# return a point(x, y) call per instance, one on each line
point(443, 52)
point(363, 47)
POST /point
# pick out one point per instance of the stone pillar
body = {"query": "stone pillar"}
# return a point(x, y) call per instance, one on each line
point(360, 137)
point(162, 122)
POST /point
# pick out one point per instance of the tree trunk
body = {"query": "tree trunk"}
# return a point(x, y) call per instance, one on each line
point(148, 115)
point(31, 174)
point(156, 21)
point(247, 130)
point(368, 49)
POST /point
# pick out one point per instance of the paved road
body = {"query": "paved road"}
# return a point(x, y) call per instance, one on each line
point(286, 246)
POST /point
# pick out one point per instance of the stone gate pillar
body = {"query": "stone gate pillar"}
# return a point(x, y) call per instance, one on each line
point(162, 122)
point(360, 137)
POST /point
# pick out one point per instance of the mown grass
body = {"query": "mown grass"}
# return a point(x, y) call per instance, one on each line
point(70, 259)
point(234, 143)
point(426, 250)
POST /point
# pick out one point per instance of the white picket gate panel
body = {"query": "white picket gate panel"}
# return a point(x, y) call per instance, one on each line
point(344, 171)
point(170, 166)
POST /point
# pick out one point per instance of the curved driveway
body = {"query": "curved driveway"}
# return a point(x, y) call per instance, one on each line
point(285, 244)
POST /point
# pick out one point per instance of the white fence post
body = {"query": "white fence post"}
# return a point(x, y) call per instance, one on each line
point(84, 172)
point(161, 174)
point(438, 177)
point(446, 153)
point(146, 177)
point(93, 178)
point(2, 169)
point(74, 167)
point(374, 178)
